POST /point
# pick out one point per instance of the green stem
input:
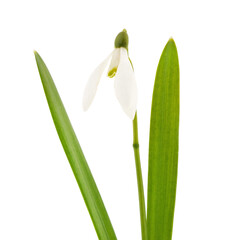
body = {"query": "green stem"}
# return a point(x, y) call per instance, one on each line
point(142, 207)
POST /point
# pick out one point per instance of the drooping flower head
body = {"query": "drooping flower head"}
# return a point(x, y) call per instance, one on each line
point(121, 69)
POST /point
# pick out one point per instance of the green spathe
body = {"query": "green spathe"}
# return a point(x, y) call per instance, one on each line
point(163, 146)
point(122, 40)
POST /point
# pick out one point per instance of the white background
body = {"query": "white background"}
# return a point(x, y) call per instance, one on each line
point(39, 197)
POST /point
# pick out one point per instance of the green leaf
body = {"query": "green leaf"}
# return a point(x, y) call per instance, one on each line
point(163, 146)
point(75, 156)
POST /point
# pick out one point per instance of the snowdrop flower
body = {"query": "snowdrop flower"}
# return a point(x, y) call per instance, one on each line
point(124, 83)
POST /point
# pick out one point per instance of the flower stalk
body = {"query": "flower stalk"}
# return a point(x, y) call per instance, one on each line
point(142, 206)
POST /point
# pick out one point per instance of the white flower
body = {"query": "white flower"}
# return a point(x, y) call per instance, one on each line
point(124, 82)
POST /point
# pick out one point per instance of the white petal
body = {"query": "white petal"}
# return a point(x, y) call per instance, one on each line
point(125, 85)
point(115, 60)
point(91, 86)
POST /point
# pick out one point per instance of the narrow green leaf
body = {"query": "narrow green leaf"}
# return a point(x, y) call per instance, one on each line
point(163, 146)
point(75, 156)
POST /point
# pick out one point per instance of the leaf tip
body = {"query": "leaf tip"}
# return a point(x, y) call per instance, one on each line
point(38, 57)
point(171, 42)
point(171, 46)
point(35, 52)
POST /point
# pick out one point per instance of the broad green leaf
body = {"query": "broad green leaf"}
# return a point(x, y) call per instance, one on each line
point(75, 156)
point(163, 146)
